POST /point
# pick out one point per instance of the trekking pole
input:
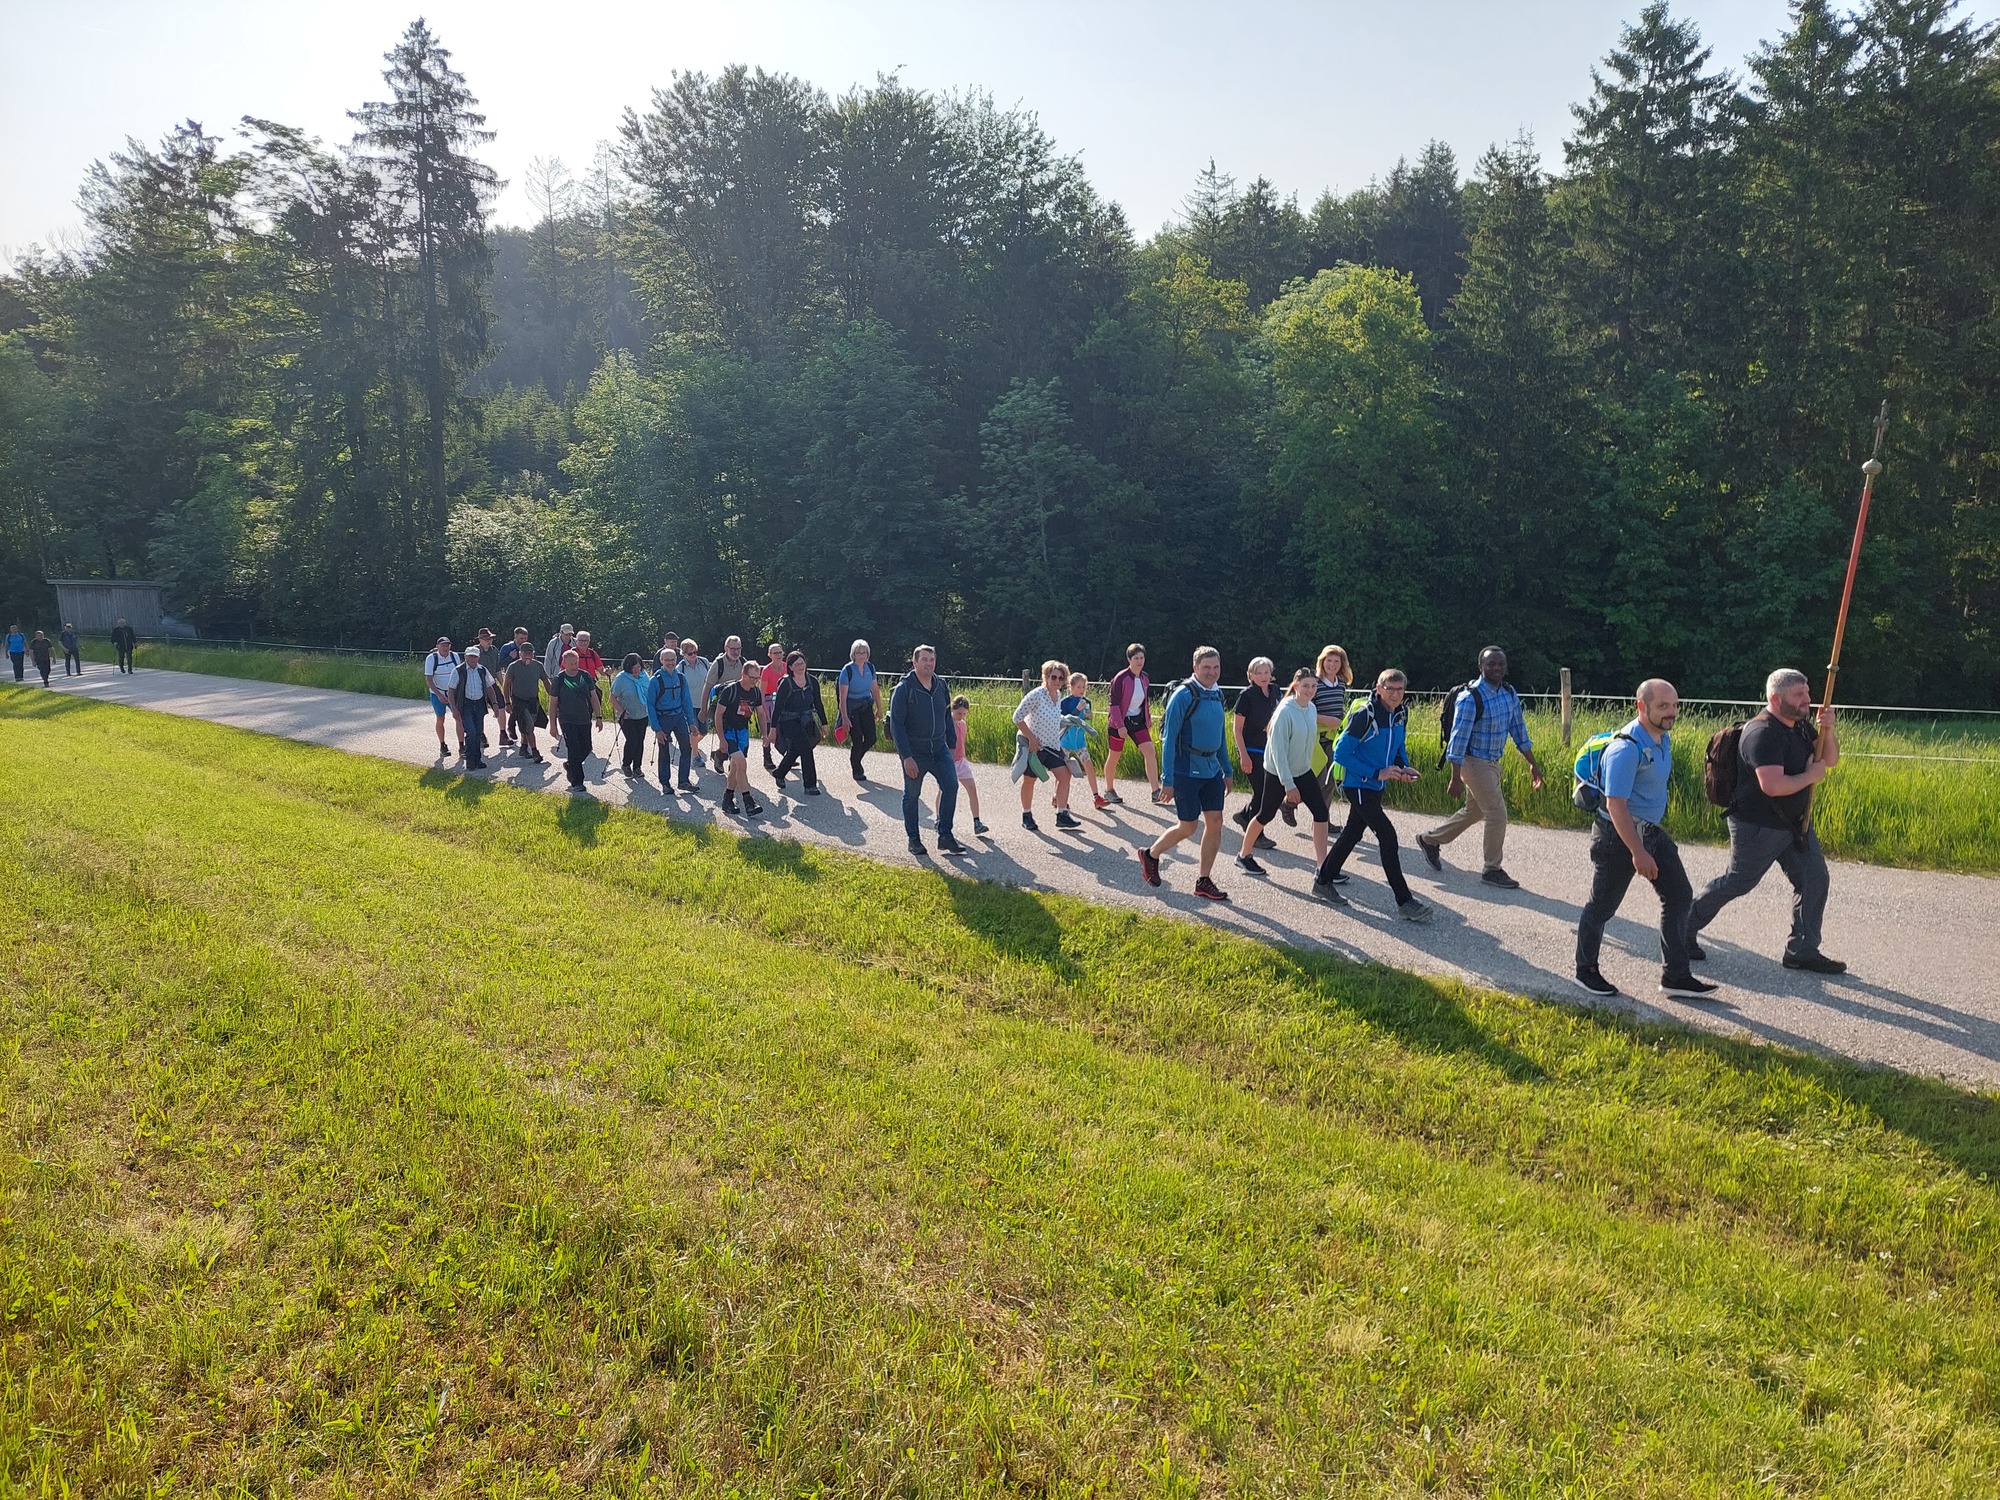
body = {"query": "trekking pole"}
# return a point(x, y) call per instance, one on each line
point(1869, 470)
point(1568, 704)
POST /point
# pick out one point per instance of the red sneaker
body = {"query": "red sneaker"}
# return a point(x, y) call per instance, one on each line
point(1101, 801)
point(1149, 866)
point(1208, 890)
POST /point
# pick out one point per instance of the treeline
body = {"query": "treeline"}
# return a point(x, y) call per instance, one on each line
point(886, 365)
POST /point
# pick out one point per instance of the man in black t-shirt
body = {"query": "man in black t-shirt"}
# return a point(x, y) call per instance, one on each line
point(737, 705)
point(1781, 757)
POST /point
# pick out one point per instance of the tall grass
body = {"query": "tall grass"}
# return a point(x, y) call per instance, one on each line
point(388, 677)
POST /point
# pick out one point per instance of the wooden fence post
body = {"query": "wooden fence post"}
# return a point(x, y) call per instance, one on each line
point(1567, 705)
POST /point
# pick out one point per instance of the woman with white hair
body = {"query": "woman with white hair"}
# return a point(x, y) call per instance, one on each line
point(1250, 721)
point(857, 706)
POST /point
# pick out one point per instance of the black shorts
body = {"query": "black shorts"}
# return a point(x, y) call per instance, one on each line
point(1054, 759)
point(1311, 797)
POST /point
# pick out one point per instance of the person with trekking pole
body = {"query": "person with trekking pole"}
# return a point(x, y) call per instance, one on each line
point(1476, 722)
point(1776, 759)
point(72, 645)
point(670, 710)
point(1195, 772)
point(1622, 777)
point(125, 641)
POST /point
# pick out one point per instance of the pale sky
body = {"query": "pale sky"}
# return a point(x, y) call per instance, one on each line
point(1311, 95)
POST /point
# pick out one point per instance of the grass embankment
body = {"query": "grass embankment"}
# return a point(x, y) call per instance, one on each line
point(379, 1132)
point(1940, 809)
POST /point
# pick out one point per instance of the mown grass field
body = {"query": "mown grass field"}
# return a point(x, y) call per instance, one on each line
point(1925, 795)
point(376, 1132)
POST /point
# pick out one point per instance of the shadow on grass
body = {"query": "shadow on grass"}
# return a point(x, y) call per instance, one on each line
point(19, 701)
point(579, 819)
point(775, 856)
point(457, 786)
point(1014, 923)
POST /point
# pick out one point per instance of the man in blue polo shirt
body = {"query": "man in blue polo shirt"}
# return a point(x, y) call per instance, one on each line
point(1628, 839)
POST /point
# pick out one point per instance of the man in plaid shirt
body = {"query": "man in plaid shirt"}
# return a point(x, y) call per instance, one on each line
point(1487, 715)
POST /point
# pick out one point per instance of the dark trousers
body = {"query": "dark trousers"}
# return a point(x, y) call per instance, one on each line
point(1613, 874)
point(633, 762)
point(1271, 797)
point(124, 658)
point(1258, 781)
point(799, 752)
point(576, 746)
point(677, 734)
point(1753, 849)
point(472, 712)
point(1365, 813)
point(42, 665)
point(938, 764)
point(72, 664)
point(20, 665)
point(861, 732)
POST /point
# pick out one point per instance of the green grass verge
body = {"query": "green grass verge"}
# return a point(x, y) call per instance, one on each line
point(379, 1132)
point(1937, 810)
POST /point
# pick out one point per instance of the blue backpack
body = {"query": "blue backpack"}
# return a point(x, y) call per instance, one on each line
point(1588, 793)
point(681, 708)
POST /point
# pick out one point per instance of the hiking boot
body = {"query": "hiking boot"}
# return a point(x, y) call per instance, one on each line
point(751, 806)
point(952, 846)
point(979, 828)
point(1595, 983)
point(1028, 822)
point(1247, 863)
point(1208, 890)
point(1815, 963)
point(1414, 910)
point(1149, 865)
point(1686, 987)
point(1499, 879)
point(1064, 819)
point(1324, 890)
point(1433, 854)
point(918, 849)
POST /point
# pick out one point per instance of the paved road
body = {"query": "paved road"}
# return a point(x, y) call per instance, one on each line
point(1923, 993)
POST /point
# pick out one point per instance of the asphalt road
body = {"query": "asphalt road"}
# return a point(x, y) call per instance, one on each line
point(1922, 992)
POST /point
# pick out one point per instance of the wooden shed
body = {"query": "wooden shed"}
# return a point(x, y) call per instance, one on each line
point(94, 605)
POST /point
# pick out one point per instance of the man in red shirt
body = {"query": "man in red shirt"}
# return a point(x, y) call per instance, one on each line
point(772, 675)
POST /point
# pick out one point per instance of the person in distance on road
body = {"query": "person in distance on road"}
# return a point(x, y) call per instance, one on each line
point(1333, 676)
point(477, 692)
point(670, 710)
point(921, 724)
point(552, 666)
point(768, 678)
point(72, 651)
point(42, 650)
point(591, 660)
point(1288, 771)
point(794, 720)
point(1629, 839)
point(1373, 749)
point(695, 671)
point(502, 660)
point(17, 651)
point(1781, 756)
point(1194, 768)
point(124, 640)
point(578, 703)
point(522, 682)
point(1486, 714)
point(961, 762)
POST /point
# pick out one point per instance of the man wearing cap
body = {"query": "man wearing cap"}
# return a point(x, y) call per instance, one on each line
point(441, 677)
point(477, 692)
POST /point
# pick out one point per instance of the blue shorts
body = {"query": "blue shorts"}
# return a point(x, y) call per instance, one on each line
point(736, 741)
point(439, 706)
point(1194, 795)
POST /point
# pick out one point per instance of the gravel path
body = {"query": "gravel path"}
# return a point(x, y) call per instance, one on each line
point(1923, 993)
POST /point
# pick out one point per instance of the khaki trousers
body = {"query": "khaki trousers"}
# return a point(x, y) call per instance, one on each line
point(1483, 803)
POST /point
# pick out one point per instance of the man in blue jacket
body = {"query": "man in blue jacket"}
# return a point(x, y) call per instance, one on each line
point(920, 723)
point(1193, 768)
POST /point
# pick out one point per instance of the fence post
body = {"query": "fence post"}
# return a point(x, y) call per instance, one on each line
point(1027, 679)
point(1566, 705)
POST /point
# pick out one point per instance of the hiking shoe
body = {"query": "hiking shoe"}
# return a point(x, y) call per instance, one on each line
point(1433, 853)
point(1595, 983)
point(918, 849)
point(812, 791)
point(1696, 953)
point(1414, 910)
point(1499, 879)
point(1815, 963)
point(1028, 822)
point(1338, 877)
point(1208, 890)
point(1265, 841)
point(861, 778)
point(751, 806)
point(1100, 800)
point(1241, 818)
point(1114, 799)
point(686, 786)
point(1149, 865)
point(729, 802)
point(980, 828)
point(1247, 863)
point(1324, 890)
point(1686, 987)
point(1290, 814)
point(777, 779)
point(1064, 819)
point(952, 846)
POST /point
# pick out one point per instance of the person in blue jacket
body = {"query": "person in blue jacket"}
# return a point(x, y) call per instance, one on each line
point(1371, 750)
point(921, 724)
point(17, 652)
point(1194, 766)
point(72, 645)
point(670, 710)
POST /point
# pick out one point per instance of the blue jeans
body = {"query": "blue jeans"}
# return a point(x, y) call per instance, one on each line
point(473, 712)
point(677, 734)
point(938, 764)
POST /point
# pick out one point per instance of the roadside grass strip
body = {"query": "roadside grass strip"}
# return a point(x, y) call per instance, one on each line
point(382, 1132)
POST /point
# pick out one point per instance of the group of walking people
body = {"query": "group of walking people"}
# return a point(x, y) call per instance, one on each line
point(23, 648)
point(1303, 746)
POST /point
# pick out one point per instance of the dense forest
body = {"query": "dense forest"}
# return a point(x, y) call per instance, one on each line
point(885, 364)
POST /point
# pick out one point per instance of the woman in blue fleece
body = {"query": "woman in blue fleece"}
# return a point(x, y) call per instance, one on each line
point(1371, 751)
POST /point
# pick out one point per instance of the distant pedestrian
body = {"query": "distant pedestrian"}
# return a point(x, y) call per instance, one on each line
point(670, 711)
point(768, 678)
point(17, 651)
point(523, 680)
point(42, 651)
point(72, 646)
point(477, 693)
point(1252, 715)
point(1129, 717)
point(1373, 749)
point(797, 717)
point(628, 698)
point(857, 706)
point(578, 704)
point(1038, 723)
point(1333, 675)
point(1629, 838)
point(1781, 756)
point(441, 677)
point(125, 640)
point(1195, 771)
point(736, 708)
point(961, 762)
point(1288, 771)
point(921, 724)
point(1484, 714)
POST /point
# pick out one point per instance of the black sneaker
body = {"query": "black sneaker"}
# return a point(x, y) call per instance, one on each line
point(1696, 953)
point(918, 849)
point(952, 846)
point(1264, 841)
point(1241, 819)
point(686, 786)
point(1324, 890)
point(1815, 963)
point(1028, 822)
point(1686, 987)
point(751, 806)
point(729, 802)
point(1247, 863)
point(779, 780)
point(1149, 865)
point(1338, 877)
point(812, 791)
point(1433, 853)
point(1065, 819)
point(1499, 879)
point(1290, 814)
point(1208, 890)
point(1594, 982)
